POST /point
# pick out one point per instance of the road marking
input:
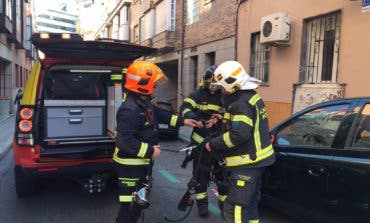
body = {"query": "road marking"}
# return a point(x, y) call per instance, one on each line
point(215, 211)
point(169, 177)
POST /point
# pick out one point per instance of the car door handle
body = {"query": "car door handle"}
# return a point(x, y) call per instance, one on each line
point(316, 171)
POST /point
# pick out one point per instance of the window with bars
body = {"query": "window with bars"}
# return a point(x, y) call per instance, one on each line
point(192, 13)
point(259, 59)
point(320, 51)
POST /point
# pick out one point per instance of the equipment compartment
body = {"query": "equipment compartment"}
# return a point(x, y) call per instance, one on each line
point(74, 118)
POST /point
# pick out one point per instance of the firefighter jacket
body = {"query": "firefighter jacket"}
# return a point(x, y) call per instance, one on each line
point(200, 105)
point(137, 129)
point(245, 139)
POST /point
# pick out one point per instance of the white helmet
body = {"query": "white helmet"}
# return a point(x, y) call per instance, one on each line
point(232, 76)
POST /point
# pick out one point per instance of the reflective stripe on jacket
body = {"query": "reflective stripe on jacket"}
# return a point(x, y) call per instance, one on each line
point(200, 105)
point(137, 130)
point(245, 139)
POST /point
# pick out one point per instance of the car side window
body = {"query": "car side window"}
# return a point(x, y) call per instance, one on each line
point(314, 128)
point(362, 134)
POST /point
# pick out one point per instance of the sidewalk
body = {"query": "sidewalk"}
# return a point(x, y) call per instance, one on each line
point(6, 133)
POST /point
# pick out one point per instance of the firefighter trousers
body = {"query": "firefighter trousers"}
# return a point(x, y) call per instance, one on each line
point(206, 168)
point(241, 204)
point(130, 179)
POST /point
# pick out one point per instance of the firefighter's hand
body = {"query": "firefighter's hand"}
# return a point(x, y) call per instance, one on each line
point(157, 151)
point(216, 116)
point(208, 147)
point(193, 123)
point(210, 123)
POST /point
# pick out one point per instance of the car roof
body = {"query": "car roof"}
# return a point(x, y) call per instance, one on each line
point(78, 48)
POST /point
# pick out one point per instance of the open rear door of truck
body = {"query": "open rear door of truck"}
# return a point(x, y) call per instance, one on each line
point(55, 46)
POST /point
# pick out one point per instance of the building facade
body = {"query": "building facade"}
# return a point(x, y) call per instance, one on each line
point(56, 21)
point(305, 51)
point(190, 36)
point(207, 37)
point(15, 50)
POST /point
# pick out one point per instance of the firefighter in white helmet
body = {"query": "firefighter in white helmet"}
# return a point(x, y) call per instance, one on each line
point(244, 141)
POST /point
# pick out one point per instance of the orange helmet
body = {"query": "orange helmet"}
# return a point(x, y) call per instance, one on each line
point(141, 77)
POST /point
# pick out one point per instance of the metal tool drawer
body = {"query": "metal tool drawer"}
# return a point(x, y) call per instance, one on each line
point(74, 121)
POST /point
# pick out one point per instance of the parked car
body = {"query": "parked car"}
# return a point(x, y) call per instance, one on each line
point(165, 129)
point(322, 168)
point(66, 121)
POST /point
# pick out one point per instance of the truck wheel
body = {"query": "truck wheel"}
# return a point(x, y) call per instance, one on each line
point(24, 185)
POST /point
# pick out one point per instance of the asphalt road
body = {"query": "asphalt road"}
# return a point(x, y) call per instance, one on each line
point(62, 200)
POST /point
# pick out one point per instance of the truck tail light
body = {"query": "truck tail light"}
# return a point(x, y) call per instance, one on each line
point(25, 126)
point(26, 113)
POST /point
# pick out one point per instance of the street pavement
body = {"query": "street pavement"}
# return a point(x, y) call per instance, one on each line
point(184, 133)
point(7, 123)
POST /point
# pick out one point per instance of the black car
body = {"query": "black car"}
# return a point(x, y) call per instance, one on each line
point(322, 170)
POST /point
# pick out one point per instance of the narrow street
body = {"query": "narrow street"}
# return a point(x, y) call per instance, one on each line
point(62, 200)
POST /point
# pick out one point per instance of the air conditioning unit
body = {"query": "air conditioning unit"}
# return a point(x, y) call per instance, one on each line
point(275, 28)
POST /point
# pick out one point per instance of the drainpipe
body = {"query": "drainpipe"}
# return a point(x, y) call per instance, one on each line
point(182, 49)
point(236, 29)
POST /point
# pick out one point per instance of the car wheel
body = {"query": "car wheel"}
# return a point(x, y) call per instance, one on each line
point(24, 185)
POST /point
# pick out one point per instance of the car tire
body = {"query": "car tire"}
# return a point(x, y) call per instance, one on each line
point(24, 185)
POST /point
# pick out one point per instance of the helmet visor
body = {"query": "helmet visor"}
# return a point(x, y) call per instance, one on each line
point(160, 82)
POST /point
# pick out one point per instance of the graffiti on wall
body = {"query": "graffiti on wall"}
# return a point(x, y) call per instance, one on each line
point(307, 95)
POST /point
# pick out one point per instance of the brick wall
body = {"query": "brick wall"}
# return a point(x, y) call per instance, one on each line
point(216, 21)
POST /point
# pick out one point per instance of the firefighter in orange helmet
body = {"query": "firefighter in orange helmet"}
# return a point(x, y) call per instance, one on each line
point(137, 138)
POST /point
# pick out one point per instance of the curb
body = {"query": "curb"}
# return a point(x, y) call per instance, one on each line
point(6, 118)
point(4, 149)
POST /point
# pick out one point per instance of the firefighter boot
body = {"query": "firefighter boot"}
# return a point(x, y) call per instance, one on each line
point(203, 211)
point(203, 207)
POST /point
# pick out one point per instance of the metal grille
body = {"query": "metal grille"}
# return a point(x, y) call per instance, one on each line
point(320, 49)
point(259, 59)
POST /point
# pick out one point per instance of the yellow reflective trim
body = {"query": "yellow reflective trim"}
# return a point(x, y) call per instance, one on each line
point(143, 149)
point(30, 91)
point(236, 72)
point(125, 198)
point(186, 110)
point(227, 115)
point(173, 120)
point(222, 197)
point(256, 135)
point(243, 118)
point(124, 97)
point(124, 70)
point(254, 221)
point(201, 196)
point(245, 159)
point(202, 107)
point(227, 140)
point(237, 214)
point(116, 77)
point(129, 183)
point(132, 179)
point(130, 161)
point(214, 107)
point(191, 101)
point(240, 183)
point(254, 99)
point(197, 138)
